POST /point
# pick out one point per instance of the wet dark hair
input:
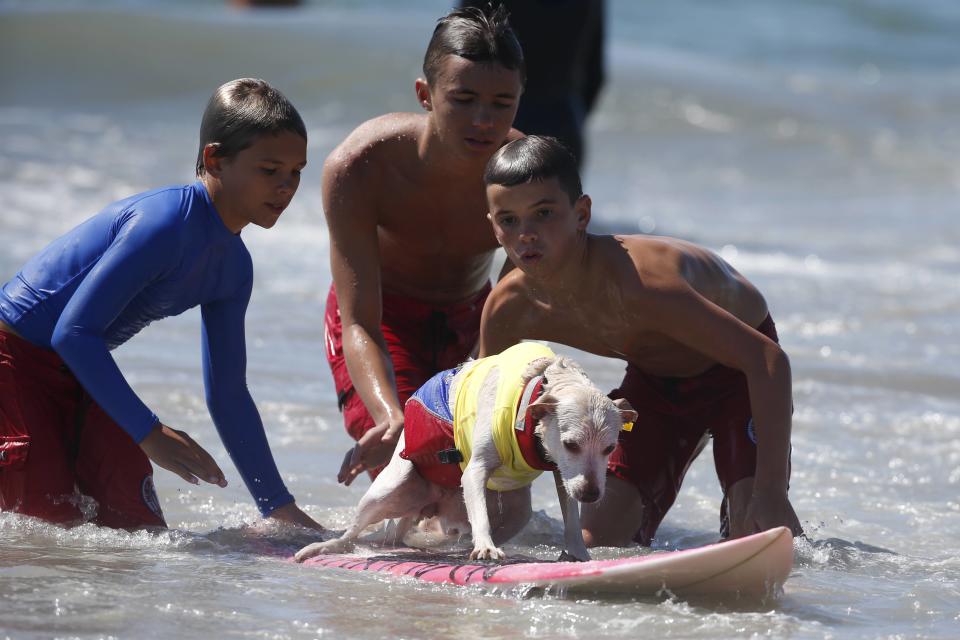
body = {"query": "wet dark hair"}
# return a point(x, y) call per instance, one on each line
point(479, 35)
point(534, 158)
point(242, 110)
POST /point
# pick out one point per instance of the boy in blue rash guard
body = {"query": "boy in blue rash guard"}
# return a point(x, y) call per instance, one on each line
point(68, 419)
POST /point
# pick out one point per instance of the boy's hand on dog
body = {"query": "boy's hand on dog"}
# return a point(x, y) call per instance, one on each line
point(372, 451)
point(177, 452)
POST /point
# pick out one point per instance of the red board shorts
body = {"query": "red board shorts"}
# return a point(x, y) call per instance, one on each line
point(676, 418)
point(56, 444)
point(423, 339)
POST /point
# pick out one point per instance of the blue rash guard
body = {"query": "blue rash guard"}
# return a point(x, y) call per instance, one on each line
point(150, 256)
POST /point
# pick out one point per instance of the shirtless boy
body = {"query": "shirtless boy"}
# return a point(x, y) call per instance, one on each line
point(68, 418)
point(700, 346)
point(410, 248)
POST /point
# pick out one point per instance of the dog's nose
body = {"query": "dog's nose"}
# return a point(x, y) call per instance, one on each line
point(590, 494)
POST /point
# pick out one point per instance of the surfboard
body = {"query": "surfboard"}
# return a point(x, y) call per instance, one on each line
point(755, 565)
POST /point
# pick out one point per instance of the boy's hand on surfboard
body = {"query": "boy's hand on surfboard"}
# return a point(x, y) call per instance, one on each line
point(293, 514)
point(177, 452)
point(373, 450)
point(766, 511)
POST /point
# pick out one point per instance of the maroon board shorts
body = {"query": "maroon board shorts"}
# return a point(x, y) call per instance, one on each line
point(56, 443)
point(676, 418)
point(423, 339)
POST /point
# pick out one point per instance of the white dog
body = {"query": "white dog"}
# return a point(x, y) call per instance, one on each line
point(485, 420)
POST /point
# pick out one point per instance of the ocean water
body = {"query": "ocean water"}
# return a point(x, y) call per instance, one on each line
point(814, 144)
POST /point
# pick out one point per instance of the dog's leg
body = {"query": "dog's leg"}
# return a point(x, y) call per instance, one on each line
point(484, 459)
point(398, 492)
point(574, 546)
point(474, 483)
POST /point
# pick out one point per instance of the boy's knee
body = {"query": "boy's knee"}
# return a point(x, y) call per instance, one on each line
point(615, 520)
point(598, 535)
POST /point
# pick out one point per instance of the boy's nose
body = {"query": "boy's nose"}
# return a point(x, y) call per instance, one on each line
point(287, 185)
point(483, 118)
point(527, 233)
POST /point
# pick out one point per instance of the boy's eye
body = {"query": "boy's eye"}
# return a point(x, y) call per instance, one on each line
point(506, 221)
point(462, 99)
point(503, 105)
point(544, 213)
point(267, 171)
point(571, 446)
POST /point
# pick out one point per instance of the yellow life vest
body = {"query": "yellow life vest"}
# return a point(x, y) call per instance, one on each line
point(514, 472)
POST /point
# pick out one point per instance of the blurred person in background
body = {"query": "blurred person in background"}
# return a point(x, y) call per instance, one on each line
point(563, 48)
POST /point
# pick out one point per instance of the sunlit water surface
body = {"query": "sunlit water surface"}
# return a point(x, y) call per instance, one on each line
point(814, 145)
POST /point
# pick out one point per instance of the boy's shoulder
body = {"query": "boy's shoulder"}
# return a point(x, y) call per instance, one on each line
point(380, 140)
point(153, 198)
point(164, 212)
point(648, 260)
point(511, 298)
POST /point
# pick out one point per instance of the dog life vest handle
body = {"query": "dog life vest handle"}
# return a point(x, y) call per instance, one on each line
point(525, 402)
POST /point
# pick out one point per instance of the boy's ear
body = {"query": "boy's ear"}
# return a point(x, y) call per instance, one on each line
point(423, 94)
point(582, 208)
point(212, 163)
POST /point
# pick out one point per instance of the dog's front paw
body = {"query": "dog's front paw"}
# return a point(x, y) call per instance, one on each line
point(337, 545)
point(487, 552)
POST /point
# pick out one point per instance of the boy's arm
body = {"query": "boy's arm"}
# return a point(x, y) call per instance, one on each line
point(140, 253)
point(233, 410)
point(500, 322)
point(690, 319)
point(349, 182)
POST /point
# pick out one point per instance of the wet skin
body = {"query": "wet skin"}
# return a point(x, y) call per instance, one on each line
point(667, 306)
point(404, 203)
point(254, 186)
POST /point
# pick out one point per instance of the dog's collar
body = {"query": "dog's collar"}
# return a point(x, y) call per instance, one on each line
point(530, 445)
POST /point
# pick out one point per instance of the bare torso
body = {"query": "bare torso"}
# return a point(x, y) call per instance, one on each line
point(604, 312)
point(435, 243)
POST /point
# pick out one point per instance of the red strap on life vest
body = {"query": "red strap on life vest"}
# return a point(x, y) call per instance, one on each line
point(531, 449)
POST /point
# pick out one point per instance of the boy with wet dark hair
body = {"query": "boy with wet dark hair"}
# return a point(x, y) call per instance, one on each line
point(539, 158)
point(241, 111)
point(476, 35)
point(69, 421)
point(700, 346)
point(410, 248)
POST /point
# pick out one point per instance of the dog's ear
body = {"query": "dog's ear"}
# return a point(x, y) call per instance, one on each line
point(627, 414)
point(536, 368)
point(542, 406)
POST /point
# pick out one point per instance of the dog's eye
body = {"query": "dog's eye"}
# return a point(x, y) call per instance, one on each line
point(572, 447)
point(609, 449)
